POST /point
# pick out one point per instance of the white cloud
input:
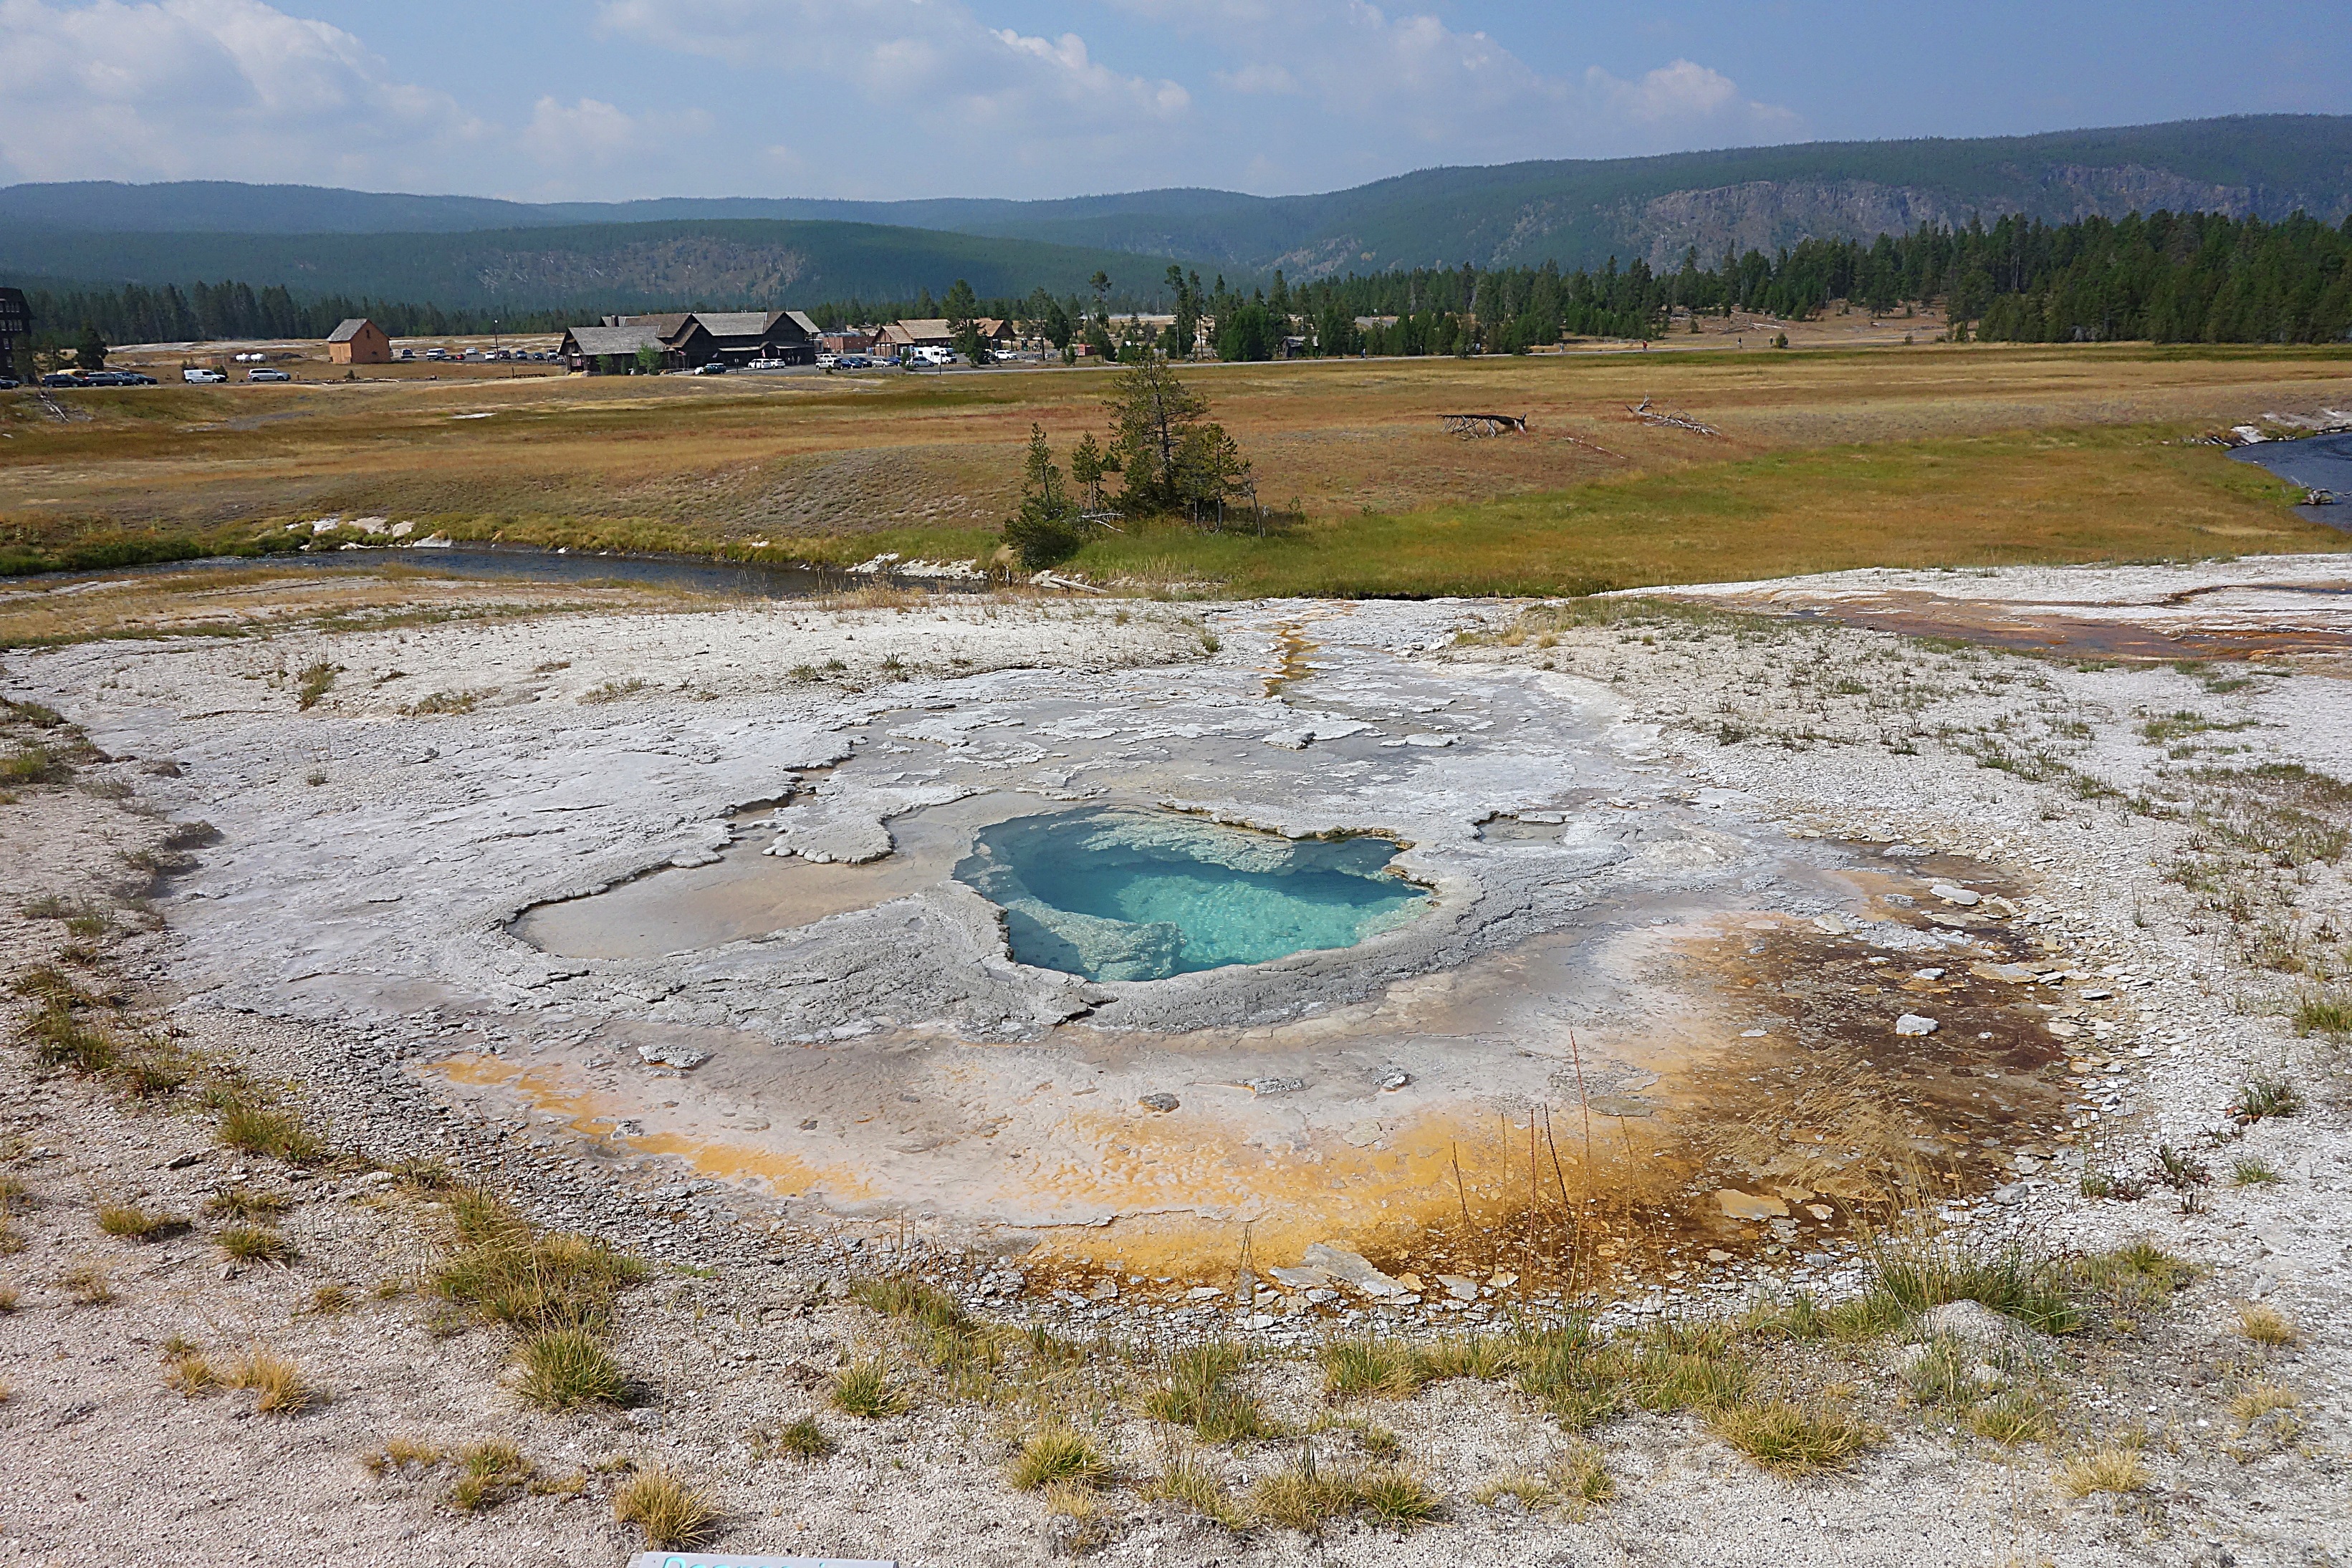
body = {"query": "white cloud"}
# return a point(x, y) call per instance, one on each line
point(966, 99)
point(1411, 89)
point(211, 90)
point(591, 134)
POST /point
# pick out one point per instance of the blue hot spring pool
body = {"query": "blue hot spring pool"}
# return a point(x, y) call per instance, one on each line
point(1115, 893)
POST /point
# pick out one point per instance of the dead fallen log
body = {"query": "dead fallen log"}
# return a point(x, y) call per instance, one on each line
point(1649, 415)
point(1481, 424)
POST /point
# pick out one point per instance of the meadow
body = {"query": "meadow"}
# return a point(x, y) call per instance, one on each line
point(1908, 455)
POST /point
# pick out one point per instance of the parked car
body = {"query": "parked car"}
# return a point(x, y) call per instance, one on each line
point(203, 376)
point(928, 355)
point(712, 368)
point(854, 363)
point(436, 353)
point(408, 354)
point(773, 364)
point(267, 376)
point(827, 360)
point(9, 383)
point(63, 379)
point(120, 378)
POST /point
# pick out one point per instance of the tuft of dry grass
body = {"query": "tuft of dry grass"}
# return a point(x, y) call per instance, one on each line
point(277, 1385)
point(489, 1473)
point(1302, 1498)
point(403, 1456)
point(564, 1369)
point(1370, 1368)
point(270, 1132)
point(670, 1512)
point(186, 1371)
point(255, 1244)
point(1192, 1391)
point(1188, 1481)
point(864, 1389)
point(805, 1440)
point(2266, 1326)
point(508, 1272)
point(1791, 1438)
point(2014, 1417)
point(2116, 1468)
point(131, 1223)
point(2257, 1400)
point(247, 1203)
point(89, 1284)
point(1056, 1456)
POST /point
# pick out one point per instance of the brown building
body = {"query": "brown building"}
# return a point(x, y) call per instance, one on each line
point(359, 341)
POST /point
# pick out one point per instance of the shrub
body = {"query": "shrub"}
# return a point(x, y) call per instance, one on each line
point(671, 1513)
point(564, 1369)
point(1056, 1455)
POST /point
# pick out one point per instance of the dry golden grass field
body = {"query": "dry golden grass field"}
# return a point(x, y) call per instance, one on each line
point(1826, 458)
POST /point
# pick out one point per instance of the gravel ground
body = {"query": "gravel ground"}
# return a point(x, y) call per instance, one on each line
point(2077, 782)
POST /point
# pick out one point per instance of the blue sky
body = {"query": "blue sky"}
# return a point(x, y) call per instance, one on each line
point(542, 99)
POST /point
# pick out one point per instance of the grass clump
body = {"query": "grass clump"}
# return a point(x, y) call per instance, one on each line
point(1474, 1356)
point(88, 1284)
point(255, 1244)
point(2325, 1012)
point(2266, 1326)
point(865, 1389)
point(2257, 1400)
point(1581, 1379)
point(270, 1132)
point(313, 683)
point(670, 1512)
point(1300, 1497)
point(187, 1371)
point(1790, 1439)
point(2012, 1419)
point(805, 1440)
point(130, 1222)
point(409, 1456)
point(1192, 1392)
point(2264, 1097)
point(1187, 1481)
point(2116, 1468)
point(508, 1272)
point(489, 1473)
point(2249, 1171)
point(1370, 1368)
point(1575, 1478)
point(245, 1202)
point(1917, 1271)
point(564, 1369)
point(277, 1385)
point(1055, 1454)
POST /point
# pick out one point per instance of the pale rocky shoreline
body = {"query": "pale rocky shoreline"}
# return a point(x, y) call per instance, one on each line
point(338, 938)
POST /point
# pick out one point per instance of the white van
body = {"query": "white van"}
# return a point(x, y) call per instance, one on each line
point(928, 355)
point(199, 376)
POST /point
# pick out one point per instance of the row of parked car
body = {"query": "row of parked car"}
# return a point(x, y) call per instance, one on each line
point(95, 379)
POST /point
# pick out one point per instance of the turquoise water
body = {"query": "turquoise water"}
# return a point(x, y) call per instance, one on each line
point(1119, 894)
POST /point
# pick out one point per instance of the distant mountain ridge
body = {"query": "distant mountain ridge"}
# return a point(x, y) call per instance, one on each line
point(1578, 213)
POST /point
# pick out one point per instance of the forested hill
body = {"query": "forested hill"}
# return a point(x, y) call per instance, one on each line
point(581, 271)
point(1574, 213)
